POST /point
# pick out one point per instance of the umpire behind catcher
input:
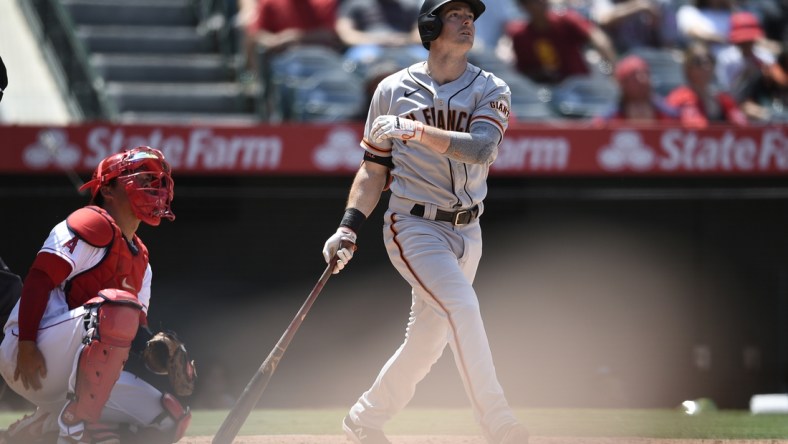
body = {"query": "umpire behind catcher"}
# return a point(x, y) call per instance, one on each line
point(432, 132)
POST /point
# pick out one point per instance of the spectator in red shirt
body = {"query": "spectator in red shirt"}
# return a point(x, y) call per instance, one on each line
point(275, 25)
point(698, 102)
point(638, 103)
point(549, 46)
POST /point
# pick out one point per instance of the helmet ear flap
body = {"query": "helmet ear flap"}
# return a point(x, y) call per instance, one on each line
point(430, 26)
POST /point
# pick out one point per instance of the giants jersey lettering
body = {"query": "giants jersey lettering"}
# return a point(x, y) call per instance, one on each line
point(420, 174)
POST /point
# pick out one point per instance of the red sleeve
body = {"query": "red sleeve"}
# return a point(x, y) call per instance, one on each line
point(732, 111)
point(690, 114)
point(327, 15)
point(47, 271)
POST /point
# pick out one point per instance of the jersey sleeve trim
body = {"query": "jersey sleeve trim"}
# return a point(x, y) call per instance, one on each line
point(374, 149)
point(490, 120)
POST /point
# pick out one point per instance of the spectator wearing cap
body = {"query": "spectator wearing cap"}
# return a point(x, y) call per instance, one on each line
point(638, 103)
point(549, 47)
point(698, 101)
point(745, 64)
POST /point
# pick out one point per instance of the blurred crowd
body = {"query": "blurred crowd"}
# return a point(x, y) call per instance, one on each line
point(697, 62)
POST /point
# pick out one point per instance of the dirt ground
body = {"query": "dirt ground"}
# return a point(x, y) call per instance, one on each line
point(337, 439)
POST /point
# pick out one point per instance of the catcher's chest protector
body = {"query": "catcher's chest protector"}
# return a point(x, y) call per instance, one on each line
point(114, 321)
point(122, 267)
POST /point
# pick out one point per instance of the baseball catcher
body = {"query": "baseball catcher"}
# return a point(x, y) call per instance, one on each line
point(83, 302)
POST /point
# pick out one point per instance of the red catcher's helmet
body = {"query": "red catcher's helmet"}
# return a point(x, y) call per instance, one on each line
point(145, 175)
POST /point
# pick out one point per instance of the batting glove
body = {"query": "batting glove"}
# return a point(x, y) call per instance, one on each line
point(342, 244)
point(387, 127)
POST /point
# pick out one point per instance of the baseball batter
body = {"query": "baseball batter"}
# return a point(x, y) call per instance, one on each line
point(83, 300)
point(432, 133)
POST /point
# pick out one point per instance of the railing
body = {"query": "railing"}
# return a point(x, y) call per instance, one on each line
point(68, 59)
point(215, 16)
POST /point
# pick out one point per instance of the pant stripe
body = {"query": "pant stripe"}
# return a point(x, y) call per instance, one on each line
point(460, 357)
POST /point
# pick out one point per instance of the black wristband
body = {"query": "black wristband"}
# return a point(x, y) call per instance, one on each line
point(353, 219)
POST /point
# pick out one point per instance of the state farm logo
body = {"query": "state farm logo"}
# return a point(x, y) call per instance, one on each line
point(341, 150)
point(51, 148)
point(626, 150)
point(684, 150)
point(533, 154)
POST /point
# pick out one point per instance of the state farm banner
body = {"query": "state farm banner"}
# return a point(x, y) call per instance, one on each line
point(334, 149)
point(306, 149)
point(643, 151)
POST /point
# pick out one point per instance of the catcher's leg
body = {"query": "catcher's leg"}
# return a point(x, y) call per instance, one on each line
point(31, 428)
point(113, 323)
point(168, 427)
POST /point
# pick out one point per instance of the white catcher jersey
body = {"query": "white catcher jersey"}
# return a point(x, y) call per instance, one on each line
point(420, 174)
point(82, 257)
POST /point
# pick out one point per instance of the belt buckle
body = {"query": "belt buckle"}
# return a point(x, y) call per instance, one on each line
point(460, 214)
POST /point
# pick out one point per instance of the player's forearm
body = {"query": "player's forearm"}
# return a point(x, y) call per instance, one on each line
point(477, 147)
point(367, 187)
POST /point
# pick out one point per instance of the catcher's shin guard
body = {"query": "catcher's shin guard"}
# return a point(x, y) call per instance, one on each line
point(114, 319)
point(181, 416)
point(169, 427)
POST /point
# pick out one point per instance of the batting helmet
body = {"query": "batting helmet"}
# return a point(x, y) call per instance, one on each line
point(145, 175)
point(430, 24)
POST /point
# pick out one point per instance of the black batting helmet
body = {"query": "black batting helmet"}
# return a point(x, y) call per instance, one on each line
point(430, 24)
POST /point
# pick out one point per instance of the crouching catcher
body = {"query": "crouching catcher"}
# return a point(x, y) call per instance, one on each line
point(84, 299)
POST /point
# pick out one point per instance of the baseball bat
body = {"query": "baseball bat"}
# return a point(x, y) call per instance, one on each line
point(254, 389)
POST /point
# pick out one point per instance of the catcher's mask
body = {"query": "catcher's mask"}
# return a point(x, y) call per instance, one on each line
point(145, 175)
point(430, 23)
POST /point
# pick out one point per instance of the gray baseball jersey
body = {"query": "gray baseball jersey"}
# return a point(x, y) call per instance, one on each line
point(420, 174)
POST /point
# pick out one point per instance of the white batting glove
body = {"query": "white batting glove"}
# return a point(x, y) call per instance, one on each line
point(386, 127)
point(343, 237)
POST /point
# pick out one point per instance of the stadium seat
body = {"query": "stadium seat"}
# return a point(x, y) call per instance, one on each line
point(394, 56)
point(328, 96)
point(585, 97)
point(488, 61)
point(530, 101)
point(286, 71)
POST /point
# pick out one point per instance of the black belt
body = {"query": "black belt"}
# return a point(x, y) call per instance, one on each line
point(459, 217)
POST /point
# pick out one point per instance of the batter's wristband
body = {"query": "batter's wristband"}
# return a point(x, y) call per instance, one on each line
point(353, 219)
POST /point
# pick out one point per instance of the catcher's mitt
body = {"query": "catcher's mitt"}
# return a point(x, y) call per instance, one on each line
point(165, 354)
